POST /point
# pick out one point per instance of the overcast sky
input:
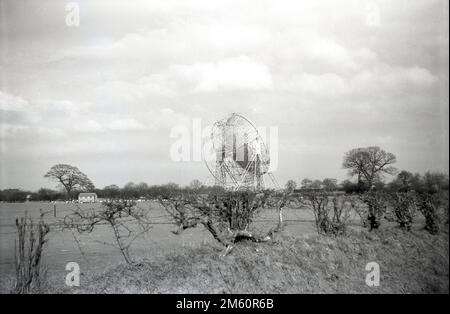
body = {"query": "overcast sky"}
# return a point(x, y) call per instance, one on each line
point(331, 75)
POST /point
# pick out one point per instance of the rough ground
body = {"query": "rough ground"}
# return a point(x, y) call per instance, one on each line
point(410, 262)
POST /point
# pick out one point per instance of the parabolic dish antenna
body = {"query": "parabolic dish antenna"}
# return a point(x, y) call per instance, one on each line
point(240, 159)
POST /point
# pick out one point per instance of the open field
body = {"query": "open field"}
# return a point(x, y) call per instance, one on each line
point(165, 256)
point(62, 248)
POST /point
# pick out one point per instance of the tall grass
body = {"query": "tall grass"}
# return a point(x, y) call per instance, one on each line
point(410, 262)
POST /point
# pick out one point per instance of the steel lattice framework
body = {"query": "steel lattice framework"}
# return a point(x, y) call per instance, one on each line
point(241, 158)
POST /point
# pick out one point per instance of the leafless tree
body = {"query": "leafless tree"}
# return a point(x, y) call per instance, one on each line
point(330, 220)
point(195, 184)
point(227, 216)
point(127, 222)
point(369, 163)
point(342, 208)
point(279, 201)
point(70, 177)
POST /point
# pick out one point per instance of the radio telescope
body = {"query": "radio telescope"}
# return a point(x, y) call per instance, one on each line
point(240, 159)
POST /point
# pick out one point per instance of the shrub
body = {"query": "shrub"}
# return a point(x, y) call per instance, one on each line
point(444, 202)
point(428, 205)
point(330, 220)
point(227, 216)
point(28, 253)
point(404, 209)
point(376, 208)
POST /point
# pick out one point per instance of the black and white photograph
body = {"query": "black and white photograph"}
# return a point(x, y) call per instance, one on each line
point(222, 152)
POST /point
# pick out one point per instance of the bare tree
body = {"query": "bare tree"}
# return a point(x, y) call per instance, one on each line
point(142, 189)
point(330, 220)
point(70, 177)
point(369, 163)
point(195, 184)
point(129, 190)
point(126, 220)
point(280, 201)
point(227, 216)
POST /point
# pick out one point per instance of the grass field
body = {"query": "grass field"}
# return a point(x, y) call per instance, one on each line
point(301, 261)
point(62, 248)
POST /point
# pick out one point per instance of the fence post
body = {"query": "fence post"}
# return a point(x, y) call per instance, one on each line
point(54, 210)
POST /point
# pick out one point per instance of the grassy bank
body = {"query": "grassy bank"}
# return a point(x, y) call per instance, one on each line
point(410, 262)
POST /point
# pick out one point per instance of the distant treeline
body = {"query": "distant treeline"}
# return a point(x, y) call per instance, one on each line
point(403, 182)
point(129, 191)
point(430, 182)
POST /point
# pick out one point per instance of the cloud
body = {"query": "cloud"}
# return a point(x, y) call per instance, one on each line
point(124, 93)
point(88, 126)
point(315, 69)
point(232, 74)
point(128, 124)
point(329, 84)
point(12, 103)
point(380, 80)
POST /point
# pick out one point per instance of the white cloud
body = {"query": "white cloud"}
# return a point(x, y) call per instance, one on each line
point(329, 84)
point(127, 124)
point(89, 126)
point(380, 80)
point(120, 92)
point(12, 102)
point(315, 69)
point(385, 80)
point(232, 74)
